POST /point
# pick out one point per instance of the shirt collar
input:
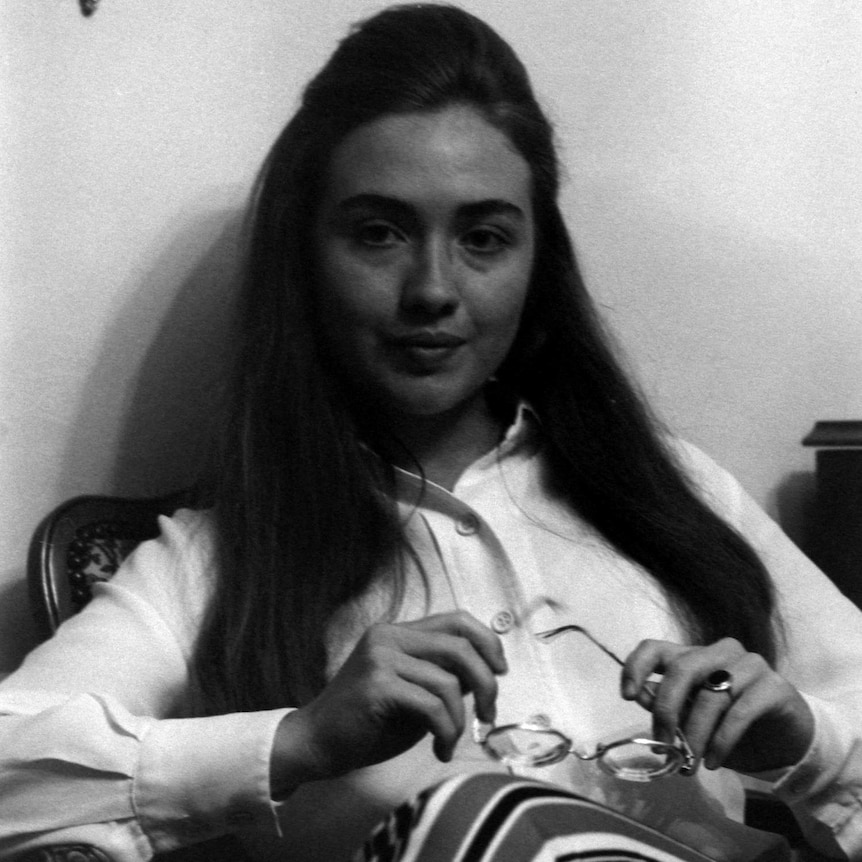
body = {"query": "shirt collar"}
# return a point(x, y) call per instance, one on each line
point(520, 438)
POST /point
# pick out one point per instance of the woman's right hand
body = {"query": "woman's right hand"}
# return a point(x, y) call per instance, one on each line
point(400, 682)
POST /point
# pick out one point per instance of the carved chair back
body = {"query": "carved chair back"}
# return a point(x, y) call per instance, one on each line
point(83, 541)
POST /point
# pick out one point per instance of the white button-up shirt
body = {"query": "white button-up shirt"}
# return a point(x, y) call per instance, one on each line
point(94, 746)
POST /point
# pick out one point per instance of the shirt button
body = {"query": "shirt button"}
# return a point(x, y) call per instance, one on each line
point(503, 622)
point(468, 525)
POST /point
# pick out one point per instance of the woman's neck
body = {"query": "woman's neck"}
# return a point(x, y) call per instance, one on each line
point(443, 445)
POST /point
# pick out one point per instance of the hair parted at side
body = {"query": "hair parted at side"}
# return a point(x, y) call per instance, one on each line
point(301, 512)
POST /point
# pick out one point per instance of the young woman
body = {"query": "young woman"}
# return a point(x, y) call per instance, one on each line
point(433, 476)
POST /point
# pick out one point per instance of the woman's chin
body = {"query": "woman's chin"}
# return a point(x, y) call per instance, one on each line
point(428, 404)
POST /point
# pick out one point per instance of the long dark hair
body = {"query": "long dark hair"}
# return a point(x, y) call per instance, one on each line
point(303, 520)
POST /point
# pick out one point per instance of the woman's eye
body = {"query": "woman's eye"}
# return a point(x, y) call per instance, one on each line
point(377, 235)
point(485, 240)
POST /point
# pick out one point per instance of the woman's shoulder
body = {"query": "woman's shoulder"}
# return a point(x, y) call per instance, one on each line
point(716, 486)
point(178, 565)
point(188, 530)
point(189, 536)
point(695, 463)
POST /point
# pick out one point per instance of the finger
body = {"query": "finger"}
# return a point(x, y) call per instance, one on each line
point(650, 657)
point(466, 647)
point(433, 713)
point(684, 668)
point(745, 712)
point(444, 686)
point(655, 656)
point(682, 685)
point(463, 624)
point(706, 710)
point(647, 658)
point(458, 657)
point(770, 723)
point(704, 716)
point(709, 709)
point(384, 646)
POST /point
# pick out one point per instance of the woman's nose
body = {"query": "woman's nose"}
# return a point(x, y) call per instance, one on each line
point(430, 286)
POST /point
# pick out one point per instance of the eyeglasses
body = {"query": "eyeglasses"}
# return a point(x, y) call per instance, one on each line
point(535, 743)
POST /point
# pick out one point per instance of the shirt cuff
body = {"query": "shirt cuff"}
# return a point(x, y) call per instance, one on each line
point(198, 778)
point(825, 786)
point(819, 766)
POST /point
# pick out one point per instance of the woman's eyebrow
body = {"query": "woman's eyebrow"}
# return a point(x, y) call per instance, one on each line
point(491, 207)
point(396, 207)
point(379, 203)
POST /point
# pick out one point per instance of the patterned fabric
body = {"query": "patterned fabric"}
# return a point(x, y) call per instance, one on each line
point(494, 818)
point(67, 853)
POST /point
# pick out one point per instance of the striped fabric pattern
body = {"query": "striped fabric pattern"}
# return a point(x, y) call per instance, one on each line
point(494, 818)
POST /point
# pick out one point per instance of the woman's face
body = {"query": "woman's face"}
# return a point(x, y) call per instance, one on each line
point(425, 243)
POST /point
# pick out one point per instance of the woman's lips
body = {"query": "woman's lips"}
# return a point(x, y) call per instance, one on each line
point(429, 340)
point(427, 351)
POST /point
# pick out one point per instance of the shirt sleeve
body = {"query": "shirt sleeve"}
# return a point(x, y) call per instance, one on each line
point(821, 654)
point(91, 748)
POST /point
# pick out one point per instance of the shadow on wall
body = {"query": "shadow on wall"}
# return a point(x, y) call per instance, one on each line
point(17, 629)
point(147, 409)
point(158, 416)
point(795, 500)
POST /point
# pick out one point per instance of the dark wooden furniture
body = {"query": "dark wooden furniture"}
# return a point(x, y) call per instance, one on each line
point(834, 536)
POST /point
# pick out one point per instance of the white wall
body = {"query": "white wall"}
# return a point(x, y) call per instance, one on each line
point(714, 193)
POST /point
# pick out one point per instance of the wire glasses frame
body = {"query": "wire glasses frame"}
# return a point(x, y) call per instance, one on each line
point(535, 742)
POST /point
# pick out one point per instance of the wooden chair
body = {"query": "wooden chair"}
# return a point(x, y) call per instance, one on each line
point(79, 543)
point(83, 541)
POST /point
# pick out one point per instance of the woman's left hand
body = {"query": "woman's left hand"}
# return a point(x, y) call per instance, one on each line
point(760, 722)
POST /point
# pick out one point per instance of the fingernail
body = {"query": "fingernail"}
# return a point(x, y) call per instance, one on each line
point(629, 690)
point(486, 713)
point(444, 755)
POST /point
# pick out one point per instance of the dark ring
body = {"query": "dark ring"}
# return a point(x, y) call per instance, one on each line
point(718, 680)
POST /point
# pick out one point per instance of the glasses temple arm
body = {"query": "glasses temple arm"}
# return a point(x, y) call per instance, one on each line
point(550, 634)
